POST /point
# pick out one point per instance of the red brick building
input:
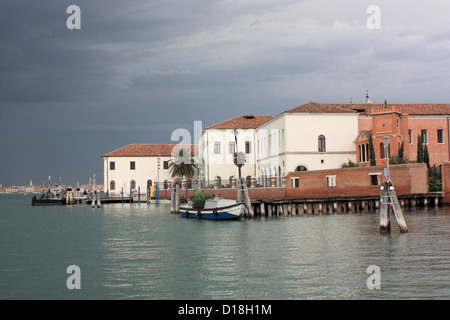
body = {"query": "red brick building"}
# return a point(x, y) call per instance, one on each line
point(402, 123)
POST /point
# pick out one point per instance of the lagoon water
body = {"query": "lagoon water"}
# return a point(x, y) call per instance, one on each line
point(144, 252)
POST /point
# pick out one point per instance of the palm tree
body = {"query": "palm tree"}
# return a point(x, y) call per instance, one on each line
point(182, 165)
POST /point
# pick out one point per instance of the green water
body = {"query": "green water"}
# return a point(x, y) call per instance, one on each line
point(144, 252)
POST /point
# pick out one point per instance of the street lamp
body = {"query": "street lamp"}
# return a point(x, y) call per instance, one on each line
point(386, 147)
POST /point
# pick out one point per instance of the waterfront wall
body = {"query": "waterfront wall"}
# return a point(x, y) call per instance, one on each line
point(446, 182)
point(360, 181)
point(231, 193)
point(408, 179)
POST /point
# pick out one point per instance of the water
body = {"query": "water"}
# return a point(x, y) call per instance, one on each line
point(144, 252)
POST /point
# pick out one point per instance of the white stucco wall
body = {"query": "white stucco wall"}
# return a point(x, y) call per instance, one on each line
point(294, 141)
point(146, 168)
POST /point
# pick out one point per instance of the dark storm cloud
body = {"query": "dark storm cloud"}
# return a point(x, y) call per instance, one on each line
point(137, 70)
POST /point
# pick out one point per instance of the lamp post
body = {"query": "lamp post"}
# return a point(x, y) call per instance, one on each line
point(236, 132)
point(386, 146)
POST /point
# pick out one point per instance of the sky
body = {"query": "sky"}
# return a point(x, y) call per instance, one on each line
point(136, 71)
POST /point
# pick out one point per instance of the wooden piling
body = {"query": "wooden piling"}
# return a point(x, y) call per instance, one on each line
point(262, 209)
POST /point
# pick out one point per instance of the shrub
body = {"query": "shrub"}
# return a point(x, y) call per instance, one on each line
point(198, 199)
point(349, 164)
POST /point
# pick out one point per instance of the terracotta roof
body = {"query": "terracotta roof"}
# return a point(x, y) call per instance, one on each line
point(144, 150)
point(242, 122)
point(409, 108)
point(315, 107)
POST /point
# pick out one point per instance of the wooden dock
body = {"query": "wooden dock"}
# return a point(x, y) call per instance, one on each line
point(339, 205)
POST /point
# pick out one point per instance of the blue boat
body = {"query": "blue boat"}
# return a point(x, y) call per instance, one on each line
point(216, 209)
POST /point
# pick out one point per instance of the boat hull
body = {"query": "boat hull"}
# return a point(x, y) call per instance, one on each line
point(232, 212)
point(47, 202)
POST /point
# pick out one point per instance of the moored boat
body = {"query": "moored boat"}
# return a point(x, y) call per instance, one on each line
point(215, 209)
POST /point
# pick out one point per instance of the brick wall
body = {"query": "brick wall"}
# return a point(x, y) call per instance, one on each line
point(407, 179)
point(446, 182)
point(254, 193)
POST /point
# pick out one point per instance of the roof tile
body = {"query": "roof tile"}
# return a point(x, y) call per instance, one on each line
point(144, 150)
point(242, 122)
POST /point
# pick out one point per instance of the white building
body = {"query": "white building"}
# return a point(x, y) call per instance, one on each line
point(136, 167)
point(217, 145)
point(312, 136)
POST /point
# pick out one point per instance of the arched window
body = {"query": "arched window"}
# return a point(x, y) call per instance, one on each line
point(149, 183)
point(112, 185)
point(322, 147)
point(301, 168)
point(133, 184)
point(382, 155)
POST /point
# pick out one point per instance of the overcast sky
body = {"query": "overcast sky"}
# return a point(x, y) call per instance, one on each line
point(137, 70)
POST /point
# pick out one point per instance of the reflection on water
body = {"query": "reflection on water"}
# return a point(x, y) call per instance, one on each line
point(144, 252)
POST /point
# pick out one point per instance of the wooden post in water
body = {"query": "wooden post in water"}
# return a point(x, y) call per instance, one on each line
point(177, 198)
point(389, 201)
point(172, 199)
point(262, 209)
point(242, 196)
point(385, 216)
point(99, 205)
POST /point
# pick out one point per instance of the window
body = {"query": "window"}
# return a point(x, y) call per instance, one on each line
point(112, 185)
point(231, 147)
point(149, 183)
point(410, 138)
point(440, 136)
point(301, 168)
point(217, 147)
point(424, 134)
point(166, 165)
point(374, 178)
point(248, 147)
point(322, 143)
point(112, 165)
point(132, 165)
point(295, 182)
point(133, 184)
point(331, 181)
point(382, 155)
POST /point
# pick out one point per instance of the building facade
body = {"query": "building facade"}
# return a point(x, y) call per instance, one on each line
point(218, 143)
point(136, 167)
point(312, 136)
point(403, 124)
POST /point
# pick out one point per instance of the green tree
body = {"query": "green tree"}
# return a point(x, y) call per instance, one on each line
point(182, 165)
point(373, 161)
point(349, 164)
point(426, 156)
point(401, 151)
point(399, 158)
point(435, 178)
point(419, 149)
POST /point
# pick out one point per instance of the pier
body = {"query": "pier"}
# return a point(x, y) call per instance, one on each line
point(337, 205)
